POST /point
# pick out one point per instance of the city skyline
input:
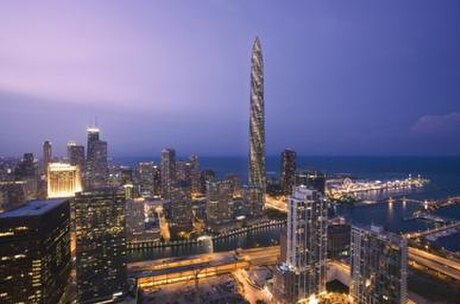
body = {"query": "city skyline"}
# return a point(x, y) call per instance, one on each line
point(405, 84)
point(235, 152)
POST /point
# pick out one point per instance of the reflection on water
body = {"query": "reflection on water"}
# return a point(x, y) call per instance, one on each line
point(390, 216)
point(266, 236)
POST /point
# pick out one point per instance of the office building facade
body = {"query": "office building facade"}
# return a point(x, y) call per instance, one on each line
point(63, 180)
point(288, 171)
point(168, 172)
point(100, 245)
point(257, 175)
point(35, 250)
point(219, 201)
point(76, 155)
point(378, 266)
point(97, 169)
point(47, 155)
point(303, 274)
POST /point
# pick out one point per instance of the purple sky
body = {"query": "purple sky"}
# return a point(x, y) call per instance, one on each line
point(341, 77)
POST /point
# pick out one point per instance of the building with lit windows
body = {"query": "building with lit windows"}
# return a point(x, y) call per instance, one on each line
point(288, 170)
point(168, 172)
point(378, 266)
point(219, 201)
point(47, 155)
point(147, 178)
point(303, 274)
point(312, 179)
point(257, 178)
point(64, 180)
point(35, 260)
point(97, 171)
point(76, 155)
point(100, 245)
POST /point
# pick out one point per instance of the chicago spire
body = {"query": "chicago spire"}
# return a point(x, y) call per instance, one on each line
point(257, 126)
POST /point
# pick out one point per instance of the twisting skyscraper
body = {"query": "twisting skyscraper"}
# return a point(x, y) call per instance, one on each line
point(257, 127)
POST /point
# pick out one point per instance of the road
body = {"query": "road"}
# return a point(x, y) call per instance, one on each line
point(442, 265)
point(251, 293)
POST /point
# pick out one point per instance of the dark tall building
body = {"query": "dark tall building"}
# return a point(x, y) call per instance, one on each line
point(195, 173)
point(180, 208)
point(168, 172)
point(205, 177)
point(338, 240)
point(47, 155)
point(76, 155)
point(257, 177)
point(145, 178)
point(100, 245)
point(184, 177)
point(288, 170)
point(219, 201)
point(35, 250)
point(378, 266)
point(96, 161)
point(312, 179)
point(26, 168)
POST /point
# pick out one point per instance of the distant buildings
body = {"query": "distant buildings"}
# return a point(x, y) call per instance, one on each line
point(195, 173)
point(205, 177)
point(378, 266)
point(76, 155)
point(100, 245)
point(303, 274)
point(338, 240)
point(219, 201)
point(312, 179)
point(180, 208)
point(135, 217)
point(35, 252)
point(148, 179)
point(288, 171)
point(47, 155)
point(168, 172)
point(257, 175)
point(26, 168)
point(64, 180)
point(96, 161)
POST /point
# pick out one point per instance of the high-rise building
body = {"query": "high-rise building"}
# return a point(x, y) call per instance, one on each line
point(168, 172)
point(378, 266)
point(288, 169)
point(76, 155)
point(63, 180)
point(96, 161)
point(205, 177)
point(303, 274)
point(219, 201)
point(312, 179)
point(47, 155)
point(180, 207)
point(146, 180)
point(26, 168)
point(184, 177)
point(257, 177)
point(236, 184)
point(195, 173)
point(35, 250)
point(338, 240)
point(100, 245)
point(135, 217)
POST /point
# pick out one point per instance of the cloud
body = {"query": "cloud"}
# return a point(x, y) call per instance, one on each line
point(437, 124)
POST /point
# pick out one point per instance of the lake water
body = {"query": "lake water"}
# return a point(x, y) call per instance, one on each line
point(443, 172)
